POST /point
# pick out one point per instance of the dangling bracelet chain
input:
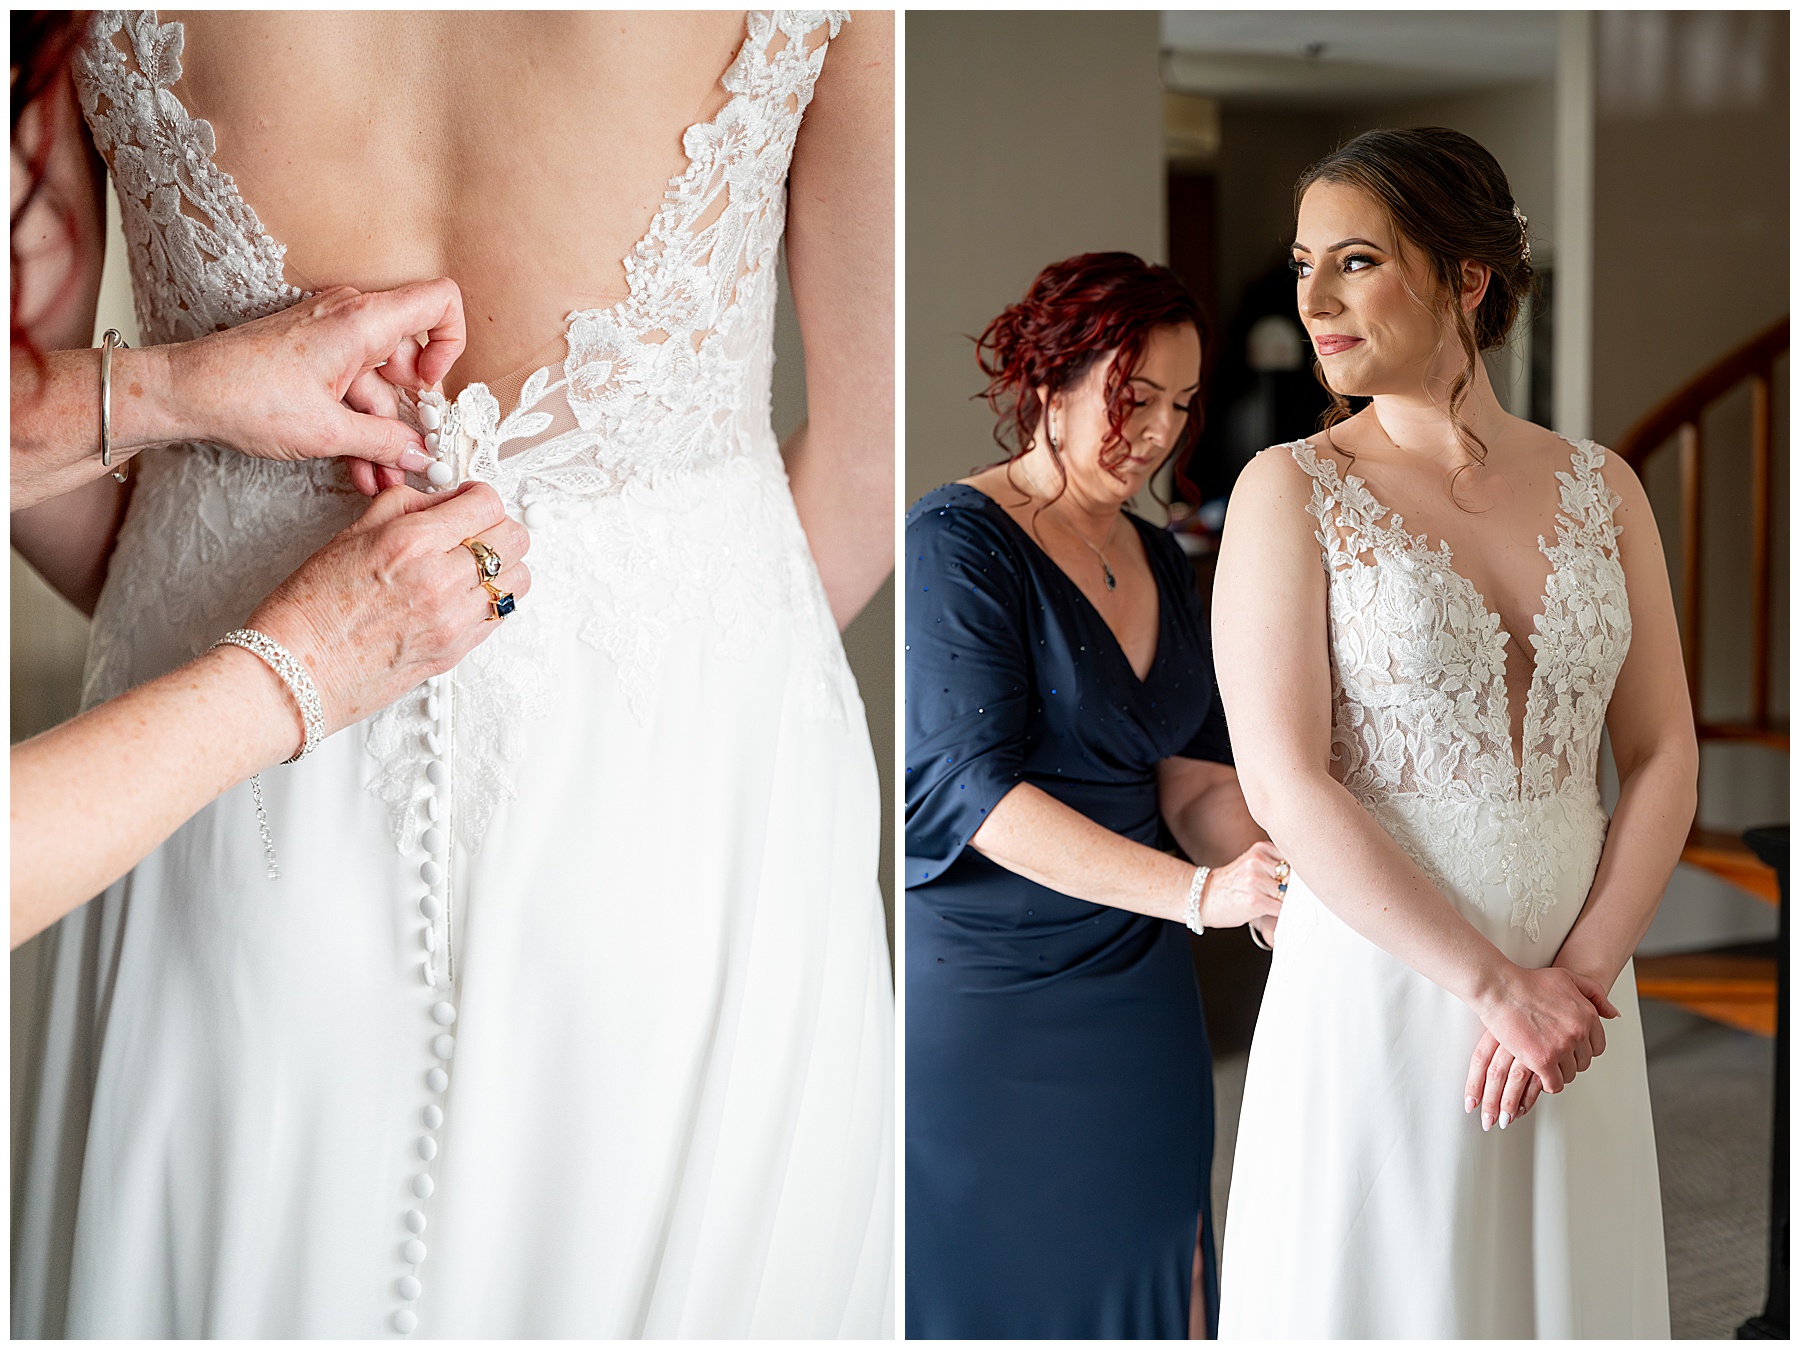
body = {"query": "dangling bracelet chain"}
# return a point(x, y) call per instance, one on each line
point(1195, 887)
point(299, 682)
point(111, 340)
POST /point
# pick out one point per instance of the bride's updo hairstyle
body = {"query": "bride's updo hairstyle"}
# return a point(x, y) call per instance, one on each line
point(1447, 197)
point(1076, 313)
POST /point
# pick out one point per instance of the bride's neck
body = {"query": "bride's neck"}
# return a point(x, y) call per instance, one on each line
point(1418, 421)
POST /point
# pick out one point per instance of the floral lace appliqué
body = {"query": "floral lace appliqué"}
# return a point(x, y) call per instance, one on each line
point(200, 259)
point(1420, 723)
point(649, 444)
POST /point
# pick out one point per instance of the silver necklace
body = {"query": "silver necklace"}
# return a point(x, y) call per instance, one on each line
point(1112, 582)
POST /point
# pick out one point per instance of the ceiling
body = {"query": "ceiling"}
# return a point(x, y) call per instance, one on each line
point(1347, 56)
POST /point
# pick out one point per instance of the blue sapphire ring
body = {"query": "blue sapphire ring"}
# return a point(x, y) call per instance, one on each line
point(500, 603)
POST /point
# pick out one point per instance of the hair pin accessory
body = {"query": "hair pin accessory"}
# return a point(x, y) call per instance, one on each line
point(1524, 238)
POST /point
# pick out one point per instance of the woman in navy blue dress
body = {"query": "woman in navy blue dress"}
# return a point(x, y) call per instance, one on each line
point(1063, 731)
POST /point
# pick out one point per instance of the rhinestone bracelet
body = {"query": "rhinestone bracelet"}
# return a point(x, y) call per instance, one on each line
point(294, 675)
point(299, 682)
point(1195, 887)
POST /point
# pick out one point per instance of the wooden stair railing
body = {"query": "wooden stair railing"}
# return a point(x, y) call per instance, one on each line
point(1738, 990)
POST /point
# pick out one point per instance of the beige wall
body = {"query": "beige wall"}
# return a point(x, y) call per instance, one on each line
point(1691, 257)
point(1691, 198)
point(1029, 137)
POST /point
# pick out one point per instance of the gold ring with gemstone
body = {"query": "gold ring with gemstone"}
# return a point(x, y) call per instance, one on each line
point(1281, 870)
point(500, 603)
point(487, 561)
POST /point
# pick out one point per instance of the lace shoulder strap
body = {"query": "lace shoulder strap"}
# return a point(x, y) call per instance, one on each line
point(1585, 515)
point(200, 258)
point(713, 241)
point(737, 170)
point(1351, 521)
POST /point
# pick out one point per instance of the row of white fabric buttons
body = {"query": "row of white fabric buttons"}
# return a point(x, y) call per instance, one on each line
point(433, 905)
point(440, 442)
point(439, 422)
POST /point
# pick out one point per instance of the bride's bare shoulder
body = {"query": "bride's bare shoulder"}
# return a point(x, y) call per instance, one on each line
point(1274, 489)
point(1290, 467)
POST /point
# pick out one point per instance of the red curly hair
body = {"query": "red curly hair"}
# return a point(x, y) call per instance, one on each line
point(1077, 312)
point(42, 43)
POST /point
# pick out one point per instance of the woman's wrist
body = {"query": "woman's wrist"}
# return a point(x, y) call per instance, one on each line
point(188, 399)
point(1194, 910)
point(273, 725)
point(148, 407)
point(286, 619)
point(1594, 965)
point(1486, 983)
point(1210, 895)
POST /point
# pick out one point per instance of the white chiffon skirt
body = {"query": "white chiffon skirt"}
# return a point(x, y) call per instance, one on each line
point(669, 1109)
point(1366, 1204)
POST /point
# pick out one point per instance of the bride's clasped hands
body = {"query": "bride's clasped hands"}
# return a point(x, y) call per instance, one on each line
point(1543, 1027)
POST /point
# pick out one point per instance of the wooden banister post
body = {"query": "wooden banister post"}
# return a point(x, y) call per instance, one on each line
point(1690, 559)
point(1762, 436)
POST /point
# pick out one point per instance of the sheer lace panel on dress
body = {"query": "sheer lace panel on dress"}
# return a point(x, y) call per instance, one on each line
point(201, 260)
point(1419, 662)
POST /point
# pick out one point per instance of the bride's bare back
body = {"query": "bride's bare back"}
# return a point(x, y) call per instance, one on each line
point(522, 154)
point(525, 155)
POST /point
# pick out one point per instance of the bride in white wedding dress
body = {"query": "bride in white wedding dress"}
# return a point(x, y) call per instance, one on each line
point(570, 1014)
point(1417, 727)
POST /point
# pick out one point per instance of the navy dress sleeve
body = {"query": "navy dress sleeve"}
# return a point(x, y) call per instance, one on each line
point(968, 681)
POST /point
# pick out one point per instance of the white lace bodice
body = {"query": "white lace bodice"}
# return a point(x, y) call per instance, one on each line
point(1421, 727)
point(648, 448)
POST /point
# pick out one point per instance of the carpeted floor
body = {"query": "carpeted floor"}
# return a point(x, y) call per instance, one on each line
point(1711, 1089)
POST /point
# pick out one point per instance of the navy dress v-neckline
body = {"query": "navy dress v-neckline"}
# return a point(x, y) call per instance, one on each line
point(1056, 568)
point(1059, 1085)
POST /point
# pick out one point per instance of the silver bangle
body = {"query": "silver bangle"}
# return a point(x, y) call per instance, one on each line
point(1195, 887)
point(294, 675)
point(110, 340)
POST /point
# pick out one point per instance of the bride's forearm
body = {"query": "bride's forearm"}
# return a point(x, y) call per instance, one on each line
point(845, 502)
point(1643, 844)
point(1367, 880)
